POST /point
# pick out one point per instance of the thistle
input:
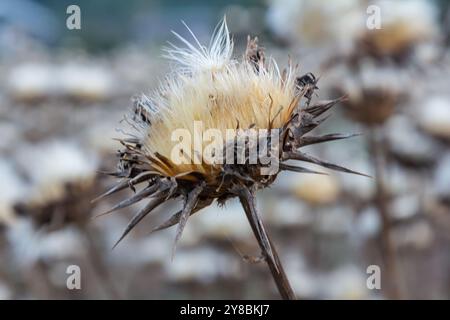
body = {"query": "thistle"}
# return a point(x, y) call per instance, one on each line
point(59, 190)
point(209, 86)
point(398, 37)
point(373, 93)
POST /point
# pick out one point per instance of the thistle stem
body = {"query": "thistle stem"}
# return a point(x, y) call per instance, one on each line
point(388, 246)
point(268, 250)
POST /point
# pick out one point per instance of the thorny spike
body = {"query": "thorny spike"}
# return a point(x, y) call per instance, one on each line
point(175, 218)
point(308, 123)
point(320, 121)
point(322, 106)
point(123, 184)
point(143, 176)
point(287, 167)
point(189, 205)
point(110, 173)
point(308, 140)
point(297, 155)
point(151, 205)
point(306, 120)
point(147, 192)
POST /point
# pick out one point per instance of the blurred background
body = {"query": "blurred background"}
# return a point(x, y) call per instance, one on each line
point(64, 92)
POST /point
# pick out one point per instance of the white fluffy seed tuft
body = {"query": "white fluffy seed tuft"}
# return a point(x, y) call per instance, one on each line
point(208, 85)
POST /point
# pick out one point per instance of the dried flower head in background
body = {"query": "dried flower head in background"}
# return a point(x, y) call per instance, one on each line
point(373, 93)
point(317, 23)
point(61, 181)
point(401, 29)
point(404, 25)
point(211, 87)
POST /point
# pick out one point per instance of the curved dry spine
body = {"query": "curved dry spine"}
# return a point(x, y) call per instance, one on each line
point(149, 207)
point(225, 94)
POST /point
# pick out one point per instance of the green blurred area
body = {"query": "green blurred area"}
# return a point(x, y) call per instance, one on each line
point(107, 24)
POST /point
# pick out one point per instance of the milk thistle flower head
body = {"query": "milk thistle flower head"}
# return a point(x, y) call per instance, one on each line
point(194, 137)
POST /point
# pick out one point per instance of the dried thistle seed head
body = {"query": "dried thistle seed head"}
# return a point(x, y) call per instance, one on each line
point(373, 106)
point(210, 87)
point(61, 177)
point(71, 208)
point(404, 25)
point(317, 23)
point(373, 93)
